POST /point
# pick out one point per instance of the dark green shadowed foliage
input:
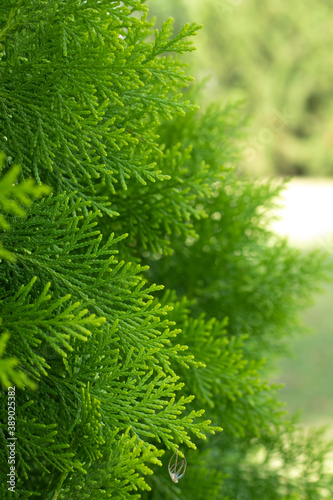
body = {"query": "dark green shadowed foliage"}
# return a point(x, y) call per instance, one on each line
point(113, 372)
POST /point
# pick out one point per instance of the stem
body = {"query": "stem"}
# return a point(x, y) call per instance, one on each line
point(58, 487)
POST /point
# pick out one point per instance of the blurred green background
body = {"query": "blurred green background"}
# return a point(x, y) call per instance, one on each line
point(277, 58)
point(307, 376)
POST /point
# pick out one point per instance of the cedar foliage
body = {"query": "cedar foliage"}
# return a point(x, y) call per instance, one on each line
point(112, 371)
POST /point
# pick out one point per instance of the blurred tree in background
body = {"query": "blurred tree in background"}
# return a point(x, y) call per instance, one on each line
point(278, 57)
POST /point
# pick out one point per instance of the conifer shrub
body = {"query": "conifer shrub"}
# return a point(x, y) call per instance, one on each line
point(141, 291)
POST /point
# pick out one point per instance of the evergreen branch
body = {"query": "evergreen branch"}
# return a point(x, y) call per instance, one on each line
point(103, 284)
point(10, 374)
point(13, 197)
point(48, 87)
point(120, 473)
point(38, 442)
point(41, 326)
point(164, 43)
point(150, 401)
point(58, 251)
point(220, 375)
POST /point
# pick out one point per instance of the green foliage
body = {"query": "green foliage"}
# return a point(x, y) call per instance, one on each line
point(238, 269)
point(87, 90)
point(119, 472)
point(113, 373)
point(9, 374)
point(13, 197)
point(126, 360)
point(44, 324)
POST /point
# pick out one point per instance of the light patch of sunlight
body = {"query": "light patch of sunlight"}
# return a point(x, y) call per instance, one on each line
point(306, 213)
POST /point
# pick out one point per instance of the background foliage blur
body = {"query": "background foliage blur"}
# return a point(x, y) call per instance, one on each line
point(278, 58)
